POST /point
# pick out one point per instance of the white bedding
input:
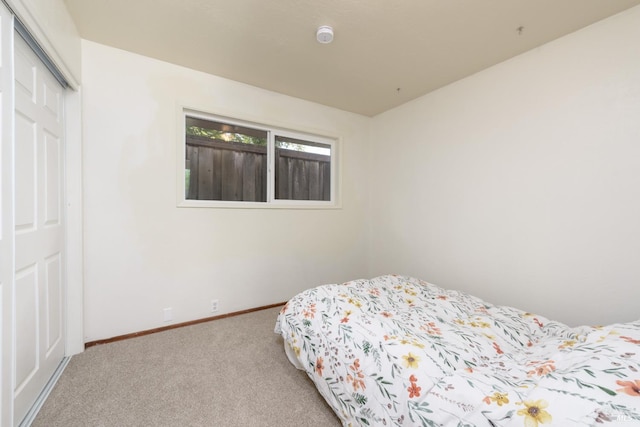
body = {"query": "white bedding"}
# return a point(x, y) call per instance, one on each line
point(399, 351)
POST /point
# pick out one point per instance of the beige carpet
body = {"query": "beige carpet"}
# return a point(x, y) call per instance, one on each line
point(228, 372)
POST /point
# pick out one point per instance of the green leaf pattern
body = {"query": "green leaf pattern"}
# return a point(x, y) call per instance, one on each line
point(396, 350)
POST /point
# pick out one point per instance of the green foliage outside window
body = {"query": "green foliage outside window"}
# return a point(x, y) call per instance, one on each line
point(225, 136)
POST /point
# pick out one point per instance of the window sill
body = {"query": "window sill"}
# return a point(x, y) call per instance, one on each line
point(283, 204)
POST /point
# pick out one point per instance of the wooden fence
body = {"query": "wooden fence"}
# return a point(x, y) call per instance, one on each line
point(221, 170)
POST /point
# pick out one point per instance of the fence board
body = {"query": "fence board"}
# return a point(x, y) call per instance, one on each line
point(325, 173)
point(315, 185)
point(221, 170)
point(216, 176)
point(300, 180)
point(192, 157)
point(205, 174)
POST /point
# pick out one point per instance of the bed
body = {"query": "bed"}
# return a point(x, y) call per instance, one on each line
point(396, 350)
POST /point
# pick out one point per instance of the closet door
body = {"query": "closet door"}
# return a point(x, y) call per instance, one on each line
point(6, 214)
point(39, 227)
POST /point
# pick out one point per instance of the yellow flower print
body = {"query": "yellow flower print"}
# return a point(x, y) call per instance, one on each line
point(411, 361)
point(534, 413)
point(355, 302)
point(479, 324)
point(296, 349)
point(499, 398)
point(567, 343)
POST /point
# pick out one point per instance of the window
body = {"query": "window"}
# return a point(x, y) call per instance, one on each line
point(234, 163)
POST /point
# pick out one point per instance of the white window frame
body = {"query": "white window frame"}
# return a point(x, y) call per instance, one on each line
point(272, 131)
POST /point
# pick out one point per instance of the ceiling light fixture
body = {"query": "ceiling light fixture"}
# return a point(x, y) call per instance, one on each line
point(324, 34)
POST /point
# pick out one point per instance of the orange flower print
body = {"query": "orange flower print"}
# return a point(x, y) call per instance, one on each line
point(543, 369)
point(319, 365)
point(357, 378)
point(431, 328)
point(482, 310)
point(414, 390)
point(284, 308)
point(310, 312)
point(497, 348)
point(345, 319)
point(630, 340)
point(632, 388)
point(386, 314)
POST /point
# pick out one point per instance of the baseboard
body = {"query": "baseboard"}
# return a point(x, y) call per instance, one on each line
point(177, 325)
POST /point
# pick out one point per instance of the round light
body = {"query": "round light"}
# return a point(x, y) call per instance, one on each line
point(324, 34)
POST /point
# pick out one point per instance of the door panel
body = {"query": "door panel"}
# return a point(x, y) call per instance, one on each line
point(52, 183)
point(53, 300)
point(39, 227)
point(26, 294)
point(25, 180)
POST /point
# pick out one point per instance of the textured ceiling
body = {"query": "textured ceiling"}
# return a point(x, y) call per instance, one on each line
point(384, 52)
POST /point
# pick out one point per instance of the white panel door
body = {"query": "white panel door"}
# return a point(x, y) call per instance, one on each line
point(6, 214)
point(39, 227)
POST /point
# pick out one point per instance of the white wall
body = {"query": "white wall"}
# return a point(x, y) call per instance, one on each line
point(521, 184)
point(142, 253)
point(518, 184)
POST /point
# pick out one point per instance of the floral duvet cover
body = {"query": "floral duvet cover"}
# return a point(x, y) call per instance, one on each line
point(399, 351)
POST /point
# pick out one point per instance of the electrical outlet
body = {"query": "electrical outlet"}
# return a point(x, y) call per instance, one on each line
point(168, 314)
point(214, 305)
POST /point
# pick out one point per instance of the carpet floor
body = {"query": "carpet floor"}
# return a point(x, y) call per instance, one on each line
point(227, 372)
